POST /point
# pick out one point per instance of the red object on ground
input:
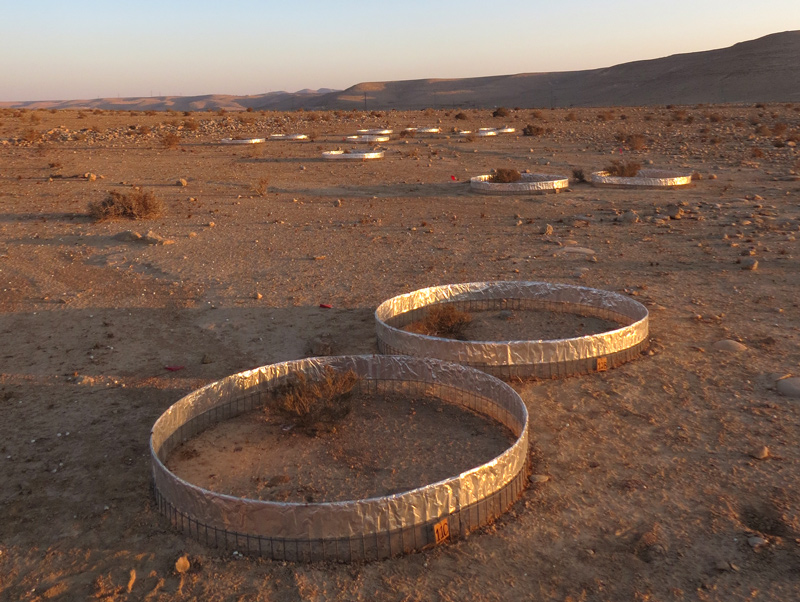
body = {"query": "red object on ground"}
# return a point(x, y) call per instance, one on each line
point(325, 306)
point(453, 178)
point(174, 368)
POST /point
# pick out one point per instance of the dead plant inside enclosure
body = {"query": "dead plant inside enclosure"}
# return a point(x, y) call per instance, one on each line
point(623, 169)
point(136, 204)
point(503, 175)
point(315, 405)
point(443, 320)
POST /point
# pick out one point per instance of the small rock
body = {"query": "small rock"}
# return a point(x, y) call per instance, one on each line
point(84, 380)
point(722, 565)
point(729, 345)
point(337, 203)
point(181, 182)
point(151, 238)
point(257, 296)
point(321, 345)
point(128, 236)
point(182, 564)
point(713, 176)
point(749, 263)
point(756, 542)
point(90, 176)
point(629, 217)
point(790, 387)
point(547, 230)
point(211, 224)
point(192, 234)
point(505, 314)
point(207, 359)
point(539, 478)
point(760, 454)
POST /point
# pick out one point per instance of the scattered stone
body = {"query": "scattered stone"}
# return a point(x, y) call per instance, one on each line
point(182, 565)
point(211, 224)
point(337, 203)
point(790, 387)
point(85, 380)
point(151, 238)
point(749, 263)
point(128, 236)
point(761, 453)
point(257, 296)
point(547, 230)
point(539, 478)
point(729, 346)
point(322, 345)
point(90, 176)
point(629, 217)
point(181, 182)
point(505, 314)
point(207, 359)
point(674, 212)
point(722, 565)
point(757, 542)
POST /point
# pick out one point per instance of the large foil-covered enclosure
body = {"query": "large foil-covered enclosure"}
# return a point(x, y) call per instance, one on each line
point(553, 358)
point(352, 155)
point(530, 183)
point(357, 530)
point(645, 178)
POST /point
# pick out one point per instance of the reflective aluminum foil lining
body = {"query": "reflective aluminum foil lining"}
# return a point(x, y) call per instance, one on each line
point(399, 311)
point(320, 521)
point(530, 183)
point(646, 178)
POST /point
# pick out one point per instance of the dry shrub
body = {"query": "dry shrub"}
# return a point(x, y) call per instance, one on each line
point(461, 116)
point(501, 112)
point(31, 135)
point(605, 116)
point(144, 130)
point(756, 153)
point(316, 405)
point(679, 115)
point(260, 187)
point(137, 204)
point(571, 117)
point(190, 124)
point(537, 114)
point(443, 320)
point(578, 175)
point(171, 140)
point(471, 137)
point(636, 141)
point(408, 134)
point(715, 118)
point(623, 169)
point(779, 129)
point(532, 130)
point(503, 175)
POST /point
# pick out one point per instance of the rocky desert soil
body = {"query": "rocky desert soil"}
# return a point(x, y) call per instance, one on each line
point(673, 477)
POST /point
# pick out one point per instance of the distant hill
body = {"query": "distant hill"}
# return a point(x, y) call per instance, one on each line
point(763, 70)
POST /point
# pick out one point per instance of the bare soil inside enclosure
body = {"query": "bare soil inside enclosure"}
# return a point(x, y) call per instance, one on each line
point(524, 325)
point(659, 486)
point(385, 445)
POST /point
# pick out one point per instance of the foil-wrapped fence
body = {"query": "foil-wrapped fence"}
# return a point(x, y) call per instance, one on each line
point(645, 178)
point(553, 358)
point(345, 531)
point(530, 183)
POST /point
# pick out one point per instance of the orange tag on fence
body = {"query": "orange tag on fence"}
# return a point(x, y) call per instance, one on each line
point(602, 364)
point(441, 531)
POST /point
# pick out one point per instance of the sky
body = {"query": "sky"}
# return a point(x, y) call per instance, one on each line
point(65, 50)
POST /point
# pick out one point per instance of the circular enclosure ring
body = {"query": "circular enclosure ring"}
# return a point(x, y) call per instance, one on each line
point(553, 358)
point(367, 138)
point(353, 155)
point(357, 530)
point(486, 132)
point(376, 132)
point(531, 183)
point(241, 140)
point(645, 178)
point(428, 130)
point(288, 137)
point(505, 130)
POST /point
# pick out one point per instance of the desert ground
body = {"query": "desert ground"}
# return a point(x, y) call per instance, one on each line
point(672, 477)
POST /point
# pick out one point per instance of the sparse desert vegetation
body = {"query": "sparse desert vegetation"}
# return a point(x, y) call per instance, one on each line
point(136, 204)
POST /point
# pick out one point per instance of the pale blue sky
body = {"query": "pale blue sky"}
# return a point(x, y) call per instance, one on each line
point(58, 50)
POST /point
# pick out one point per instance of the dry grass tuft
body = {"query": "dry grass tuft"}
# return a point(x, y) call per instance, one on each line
point(461, 116)
point(503, 175)
point(501, 112)
point(260, 187)
point(623, 169)
point(443, 321)
point(316, 405)
point(171, 140)
point(137, 204)
point(532, 130)
point(578, 175)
